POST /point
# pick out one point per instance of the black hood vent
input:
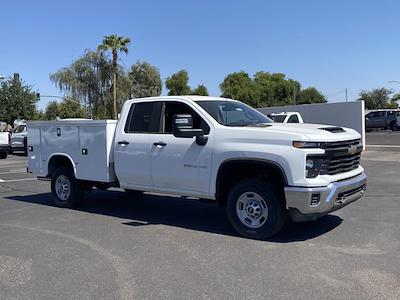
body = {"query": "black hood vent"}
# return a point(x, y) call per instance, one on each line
point(333, 129)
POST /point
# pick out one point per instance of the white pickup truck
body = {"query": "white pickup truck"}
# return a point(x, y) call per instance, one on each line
point(204, 147)
point(4, 144)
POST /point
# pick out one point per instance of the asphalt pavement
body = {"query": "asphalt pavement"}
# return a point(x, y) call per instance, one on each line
point(383, 139)
point(114, 247)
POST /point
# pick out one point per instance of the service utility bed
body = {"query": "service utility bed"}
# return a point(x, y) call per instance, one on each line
point(87, 143)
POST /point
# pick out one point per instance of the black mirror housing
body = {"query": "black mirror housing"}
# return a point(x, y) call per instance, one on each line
point(183, 127)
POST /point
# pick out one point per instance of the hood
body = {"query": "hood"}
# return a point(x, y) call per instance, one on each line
point(304, 132)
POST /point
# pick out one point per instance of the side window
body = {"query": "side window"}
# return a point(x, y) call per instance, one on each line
point(380, 114)
point(144, 118)
point(293, 119)
point(173, 108)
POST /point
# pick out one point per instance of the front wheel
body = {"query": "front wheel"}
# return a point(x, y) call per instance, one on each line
point(67, 191)
point(3, 155)
point(255, 209)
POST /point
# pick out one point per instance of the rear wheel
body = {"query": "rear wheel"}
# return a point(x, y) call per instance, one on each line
point(3, 155)
point(255, 209)
point(67, 190)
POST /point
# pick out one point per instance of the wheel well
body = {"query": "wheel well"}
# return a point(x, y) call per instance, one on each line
point(232, 172)
point(56, 162)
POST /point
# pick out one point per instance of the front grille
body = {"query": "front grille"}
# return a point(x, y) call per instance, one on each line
point(341, 157)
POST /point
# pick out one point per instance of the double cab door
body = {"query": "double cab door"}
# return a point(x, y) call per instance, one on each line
point(148, 156)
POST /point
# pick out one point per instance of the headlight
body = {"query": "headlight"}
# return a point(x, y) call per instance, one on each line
point(306, 145)
point(313, 166)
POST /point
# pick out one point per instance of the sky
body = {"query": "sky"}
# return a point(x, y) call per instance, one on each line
point(332, 45)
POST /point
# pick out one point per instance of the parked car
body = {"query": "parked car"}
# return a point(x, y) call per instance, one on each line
point(209, 148)
point(381, 119)
point(4, 144)
point(286, 117)
point(19, 139)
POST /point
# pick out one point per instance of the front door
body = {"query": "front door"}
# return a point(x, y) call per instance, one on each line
point(180, 164)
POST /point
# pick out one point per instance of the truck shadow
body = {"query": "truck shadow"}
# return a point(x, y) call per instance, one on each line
point(178, 212)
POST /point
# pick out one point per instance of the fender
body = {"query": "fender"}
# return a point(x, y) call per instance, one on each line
point(248, 160)
point(64, 155)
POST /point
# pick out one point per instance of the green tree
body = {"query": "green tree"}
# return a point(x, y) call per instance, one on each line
point(52, 110)
point(145, 80)
point(89, 80)
point(17, 101)
point(311, 95)
point(239, 86)
point(264, 89)
point(376, 98)
point(115, 44)
point(177, 84)
point(201, 90)
point(63, 110)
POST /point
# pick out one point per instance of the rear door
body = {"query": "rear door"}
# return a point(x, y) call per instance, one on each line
point(380, 119)
point(133, 145)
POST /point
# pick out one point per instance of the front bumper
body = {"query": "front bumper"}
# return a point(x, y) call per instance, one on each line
point(311, 203)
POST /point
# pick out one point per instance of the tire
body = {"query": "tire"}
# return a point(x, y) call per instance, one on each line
point(3, 155)
point(72, 193)
point(255, 201)
point(134, 194)
point(393, 126)
point(25, 147)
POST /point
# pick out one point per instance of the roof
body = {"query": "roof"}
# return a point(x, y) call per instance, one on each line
point(188, 97)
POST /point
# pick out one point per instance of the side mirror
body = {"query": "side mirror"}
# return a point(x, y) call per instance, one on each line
point(182, 126)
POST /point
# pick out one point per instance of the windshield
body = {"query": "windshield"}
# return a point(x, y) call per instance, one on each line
point(232, 113)
point(278, 118)
point(19, 129)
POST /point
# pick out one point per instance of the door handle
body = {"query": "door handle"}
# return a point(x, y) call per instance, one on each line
point(123, 143)
point(161, 144)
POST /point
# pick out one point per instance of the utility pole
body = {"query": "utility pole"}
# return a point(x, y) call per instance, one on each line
point(294, 93)
point(346, 94)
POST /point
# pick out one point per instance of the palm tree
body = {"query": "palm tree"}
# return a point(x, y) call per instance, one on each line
point(114, 44)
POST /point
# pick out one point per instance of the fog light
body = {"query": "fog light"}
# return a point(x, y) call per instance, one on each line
point(315, 199)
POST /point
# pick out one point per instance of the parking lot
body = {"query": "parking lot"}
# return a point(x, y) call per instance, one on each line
point(163, 247)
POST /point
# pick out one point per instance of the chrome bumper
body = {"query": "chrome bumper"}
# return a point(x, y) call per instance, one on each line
point(311, 203)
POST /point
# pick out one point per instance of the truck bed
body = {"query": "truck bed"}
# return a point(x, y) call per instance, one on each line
point(87, 143)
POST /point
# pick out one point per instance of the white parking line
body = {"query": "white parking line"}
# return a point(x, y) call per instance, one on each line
point(383, 146)
point(12, 166)
point(15, 180)
point(13, 172)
